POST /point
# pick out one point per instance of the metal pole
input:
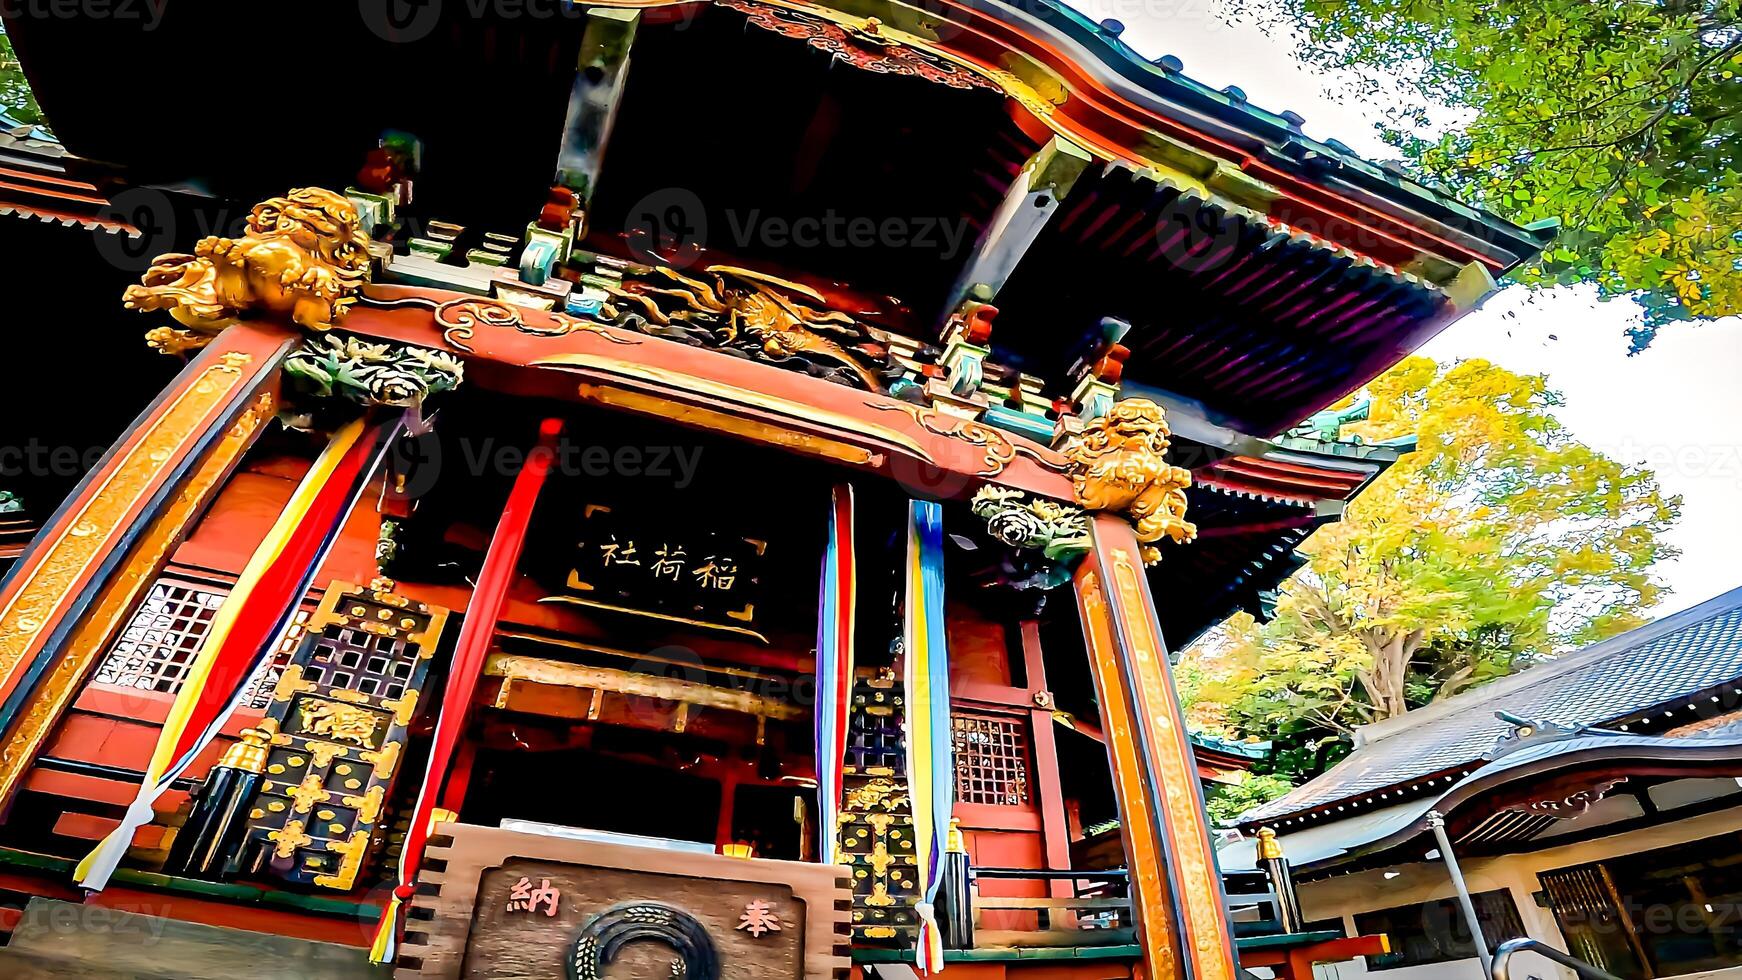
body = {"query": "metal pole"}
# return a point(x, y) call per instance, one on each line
point(956, 898)
point(1438, 823)
point(1275, 865)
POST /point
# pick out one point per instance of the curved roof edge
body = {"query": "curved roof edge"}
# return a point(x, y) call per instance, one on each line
point(1079, 79)
point(1284, 133)
point(1334, 844)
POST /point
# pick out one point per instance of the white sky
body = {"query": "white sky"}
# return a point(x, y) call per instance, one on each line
point(1676, 407)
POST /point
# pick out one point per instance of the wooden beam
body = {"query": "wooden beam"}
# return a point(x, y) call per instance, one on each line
point(557, 673)
point(1177, 893)
point(600, 75)
point(1048, 786)
point(93, 560)
point(707, 389)
point(1029, 202)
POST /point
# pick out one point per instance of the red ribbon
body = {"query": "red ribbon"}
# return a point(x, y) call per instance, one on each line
point(489, 595)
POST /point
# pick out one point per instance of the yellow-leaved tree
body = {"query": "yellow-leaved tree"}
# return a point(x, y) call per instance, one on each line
point(1499, 541)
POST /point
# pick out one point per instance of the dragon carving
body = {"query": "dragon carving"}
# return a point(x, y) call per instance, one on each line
point(304, 257)
point(746, 310)
point(1119, 463)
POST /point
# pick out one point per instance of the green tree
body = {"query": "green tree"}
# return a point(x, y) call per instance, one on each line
point(1225, 802)
point(15, 95)
point(1499, 541)
point(1618, 118)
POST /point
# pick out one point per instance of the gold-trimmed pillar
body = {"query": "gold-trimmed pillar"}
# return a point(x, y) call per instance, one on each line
point(1176, 890)
point(87, 568)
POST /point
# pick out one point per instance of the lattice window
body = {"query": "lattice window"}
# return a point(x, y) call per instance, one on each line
point(353, 660)
point(157, 646)
point(991, 759)
point(266, 678)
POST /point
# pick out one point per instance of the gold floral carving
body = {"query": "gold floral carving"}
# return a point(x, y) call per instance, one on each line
point(92, 635)
point(404, 707)
point(878, 792)
point(780, 317)
point(287, 841)
point(291, 683)
point(352, 852)
point(307, 793)
point(458, 317)
point(338, 722)
point(322, 754)
point(384, 760)
point(368, 806)
point(304, 257)
point(1119, 464)
point(999, 449)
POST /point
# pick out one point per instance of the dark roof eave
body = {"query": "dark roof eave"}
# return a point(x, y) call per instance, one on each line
point(1281, 142)
point(1697, 755)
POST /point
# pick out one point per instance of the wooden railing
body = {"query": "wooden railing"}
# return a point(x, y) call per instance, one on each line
point(1071, 908)
point(1252, 903)
point(1086, 908)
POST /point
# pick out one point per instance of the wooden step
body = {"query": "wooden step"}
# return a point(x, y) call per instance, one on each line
point(19, 965)
point(106, 943)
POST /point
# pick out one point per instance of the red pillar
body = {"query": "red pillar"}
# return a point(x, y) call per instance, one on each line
point(1182, 918)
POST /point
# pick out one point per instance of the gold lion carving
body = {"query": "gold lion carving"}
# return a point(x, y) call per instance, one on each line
point(339, 722)
point(304, 257)
point(1119, 464)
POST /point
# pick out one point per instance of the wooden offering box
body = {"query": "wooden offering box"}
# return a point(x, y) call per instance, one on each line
point(498, 904)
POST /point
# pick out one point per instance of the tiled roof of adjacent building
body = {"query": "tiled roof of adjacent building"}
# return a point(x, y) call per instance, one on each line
point(36, 183)
point(1643, 672)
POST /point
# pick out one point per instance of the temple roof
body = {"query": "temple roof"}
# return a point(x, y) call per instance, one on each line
point(1174, 93)
point(38, 182)
point(1265, 273)
point(1641, 681)
point(1254, 501)
point(1482, 808)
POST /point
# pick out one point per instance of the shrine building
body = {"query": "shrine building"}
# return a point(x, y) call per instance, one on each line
point(664, 489)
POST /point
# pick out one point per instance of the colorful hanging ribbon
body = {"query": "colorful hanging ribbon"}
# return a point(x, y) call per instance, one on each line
point(931, 771)
point(835, 626)
point(489, 595)
point(249, 621)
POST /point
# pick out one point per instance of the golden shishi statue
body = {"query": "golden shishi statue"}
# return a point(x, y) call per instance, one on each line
point(304, 257)
point(1119, 463)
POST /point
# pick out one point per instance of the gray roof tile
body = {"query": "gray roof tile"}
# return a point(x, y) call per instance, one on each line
point(1674, 658)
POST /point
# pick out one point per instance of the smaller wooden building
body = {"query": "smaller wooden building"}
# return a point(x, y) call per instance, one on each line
point(1593, 802)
